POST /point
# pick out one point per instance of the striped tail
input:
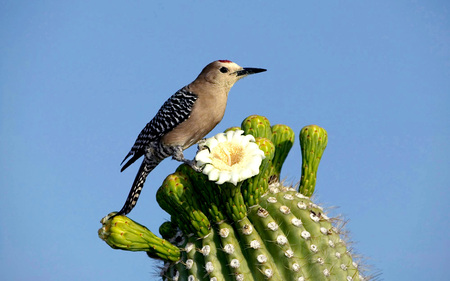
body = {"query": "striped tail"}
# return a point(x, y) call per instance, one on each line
point(146, 167)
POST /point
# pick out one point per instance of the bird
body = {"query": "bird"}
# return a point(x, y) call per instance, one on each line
point(182, 121)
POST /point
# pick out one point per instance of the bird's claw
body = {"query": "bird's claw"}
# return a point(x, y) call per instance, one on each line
point(193, 165)
point(201, 144)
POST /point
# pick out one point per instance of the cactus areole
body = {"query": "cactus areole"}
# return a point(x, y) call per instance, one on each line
point(236, 220)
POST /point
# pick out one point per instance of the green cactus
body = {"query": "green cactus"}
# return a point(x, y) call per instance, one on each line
point(254, 229)
point(313, 140)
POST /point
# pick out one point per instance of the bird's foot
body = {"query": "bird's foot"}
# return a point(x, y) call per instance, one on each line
point(178, 155)
point(202, 144)
point(193, 165)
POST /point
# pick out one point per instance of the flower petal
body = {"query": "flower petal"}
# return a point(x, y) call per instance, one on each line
point(235, 177)
point(221, 137)
point(237, 136)
point(211, 143)
point(245, 174)
point(224, 177)
point(203, 157)
point(213, 175)
point(207, 169)
point(248, 139)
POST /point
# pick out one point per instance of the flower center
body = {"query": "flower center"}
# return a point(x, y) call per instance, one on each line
point(226, 154)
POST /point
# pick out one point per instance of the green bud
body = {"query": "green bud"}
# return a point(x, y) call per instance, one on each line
point(283, 139)
point(176, 196)
point(120, 232)
point(313, 141)
point(258, 126)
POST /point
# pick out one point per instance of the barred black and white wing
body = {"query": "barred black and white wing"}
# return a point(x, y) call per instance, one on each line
point(173, 112)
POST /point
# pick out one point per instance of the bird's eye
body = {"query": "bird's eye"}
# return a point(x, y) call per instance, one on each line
point(223, 69)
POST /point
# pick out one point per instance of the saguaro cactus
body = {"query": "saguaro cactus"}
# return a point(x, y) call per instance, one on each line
point(236, 220)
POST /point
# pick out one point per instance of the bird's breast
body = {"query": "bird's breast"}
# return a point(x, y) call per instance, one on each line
point(206, 113)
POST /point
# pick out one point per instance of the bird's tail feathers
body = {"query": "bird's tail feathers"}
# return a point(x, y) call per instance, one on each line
point(146, 167)
point(126, 157)
point(131, 161)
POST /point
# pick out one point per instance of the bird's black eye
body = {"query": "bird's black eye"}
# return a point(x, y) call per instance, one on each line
point(223, 69)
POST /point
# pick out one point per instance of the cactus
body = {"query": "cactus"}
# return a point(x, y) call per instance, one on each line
point(242, 223)
point(314, 141)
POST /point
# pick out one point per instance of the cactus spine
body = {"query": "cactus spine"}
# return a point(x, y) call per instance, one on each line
point(257, 229)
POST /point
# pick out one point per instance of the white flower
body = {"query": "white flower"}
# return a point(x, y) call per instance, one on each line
point(230, 157)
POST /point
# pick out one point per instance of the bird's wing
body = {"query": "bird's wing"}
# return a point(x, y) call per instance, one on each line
point(173, 112)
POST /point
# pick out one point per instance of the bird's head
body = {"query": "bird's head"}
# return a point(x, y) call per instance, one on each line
point(226, 73)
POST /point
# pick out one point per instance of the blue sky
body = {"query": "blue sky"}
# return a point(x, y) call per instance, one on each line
point(80, 79)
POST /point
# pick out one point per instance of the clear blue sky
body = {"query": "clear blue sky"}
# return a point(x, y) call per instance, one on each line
point(78, 81)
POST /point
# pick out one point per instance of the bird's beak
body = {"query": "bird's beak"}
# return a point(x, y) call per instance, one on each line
point(249, 70)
